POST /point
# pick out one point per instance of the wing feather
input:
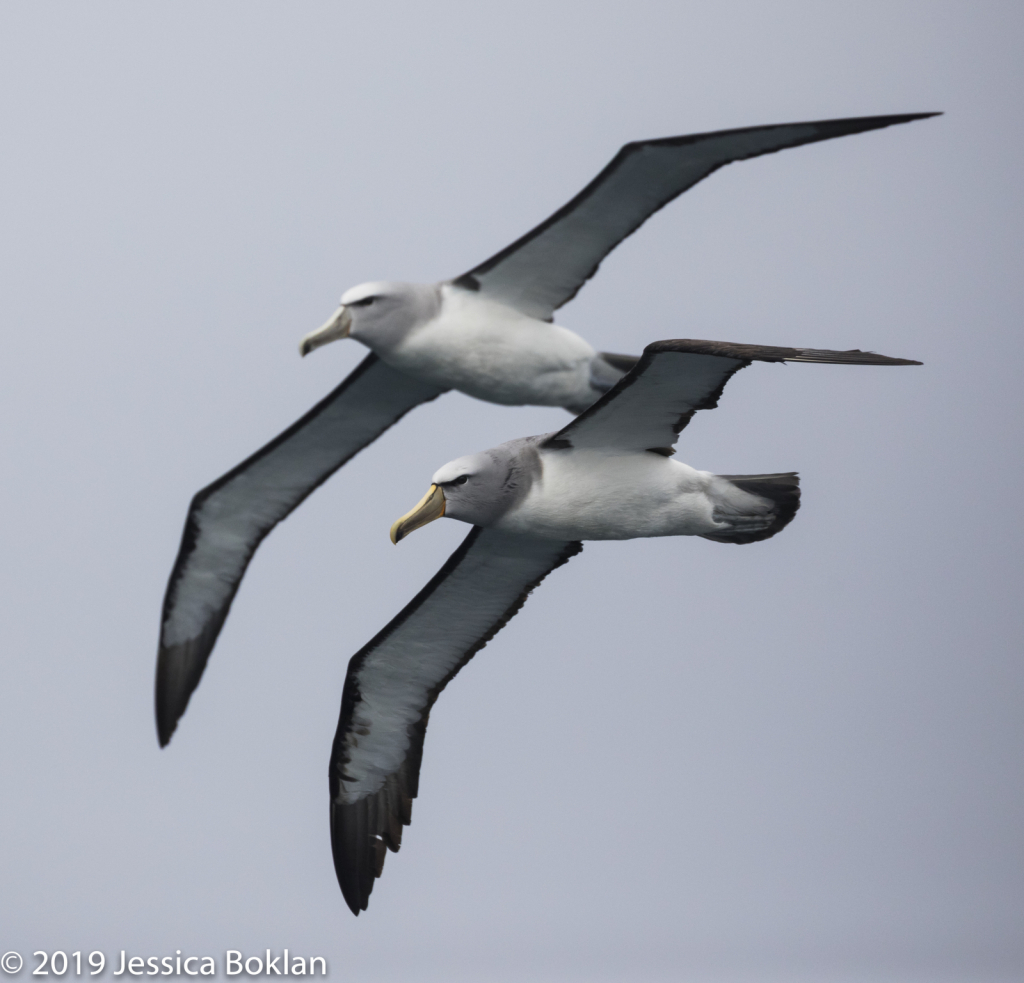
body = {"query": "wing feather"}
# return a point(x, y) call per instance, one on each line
point(228, 519)
point(545, 268)
point(650, 405)
point(394, 680)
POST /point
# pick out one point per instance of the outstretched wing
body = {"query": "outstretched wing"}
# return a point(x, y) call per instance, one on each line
point(648, 407)
point(227, 520)
point(394, 680)
point(544, 269)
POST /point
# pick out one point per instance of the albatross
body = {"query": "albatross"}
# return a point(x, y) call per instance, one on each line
point(609, 474)
point(487, 333)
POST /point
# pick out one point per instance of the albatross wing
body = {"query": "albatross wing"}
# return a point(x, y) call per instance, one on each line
point(648, 407)
point(544, 269)
point(228, 520)
point(394, 680)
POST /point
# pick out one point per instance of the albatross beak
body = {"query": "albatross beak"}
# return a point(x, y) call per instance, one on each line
point(337, 327)
point(430, 507)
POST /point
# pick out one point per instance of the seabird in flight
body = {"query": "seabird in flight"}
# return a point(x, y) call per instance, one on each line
point(487, 333)
point(607, 475)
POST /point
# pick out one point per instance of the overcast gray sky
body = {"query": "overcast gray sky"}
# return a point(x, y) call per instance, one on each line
point(682, 761)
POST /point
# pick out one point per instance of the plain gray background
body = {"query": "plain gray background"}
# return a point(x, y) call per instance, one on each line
point(683, 760)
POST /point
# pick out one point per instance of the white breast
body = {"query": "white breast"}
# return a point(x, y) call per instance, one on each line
point(495, 353)
point(597, 494)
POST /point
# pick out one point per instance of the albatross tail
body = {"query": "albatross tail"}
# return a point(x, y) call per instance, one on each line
point(779, 496)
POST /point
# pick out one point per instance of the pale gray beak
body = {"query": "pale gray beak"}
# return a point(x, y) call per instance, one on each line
point(338, 326)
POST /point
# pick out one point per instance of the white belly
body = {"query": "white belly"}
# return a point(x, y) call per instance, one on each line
point(592, 494)
point(494, 353)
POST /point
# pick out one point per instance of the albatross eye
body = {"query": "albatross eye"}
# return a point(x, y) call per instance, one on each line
point(461, 479)
point(365, 302)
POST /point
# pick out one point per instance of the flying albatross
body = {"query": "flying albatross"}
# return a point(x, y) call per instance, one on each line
point(486, 333)
point(606, 475)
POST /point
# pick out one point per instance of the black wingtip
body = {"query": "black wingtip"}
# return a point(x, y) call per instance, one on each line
point(178, 671)
point(357, 853)
point(352, 900)
point(166, 718)
point(864, 124)
point(164, 728)
point(853, 356)
point(829, 129)
point(890, 120)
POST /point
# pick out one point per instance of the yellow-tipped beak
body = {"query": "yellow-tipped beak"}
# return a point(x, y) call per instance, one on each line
point(338, 326)
point(429, 508)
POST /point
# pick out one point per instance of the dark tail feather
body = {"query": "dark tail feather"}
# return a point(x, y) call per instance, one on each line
point(783, 490)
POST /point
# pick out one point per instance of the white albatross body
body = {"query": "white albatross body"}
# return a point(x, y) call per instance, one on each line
point(595, 494)
point(489, 350)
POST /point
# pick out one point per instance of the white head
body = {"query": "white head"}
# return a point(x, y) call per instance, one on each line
point(378, 314)
point(478, 488)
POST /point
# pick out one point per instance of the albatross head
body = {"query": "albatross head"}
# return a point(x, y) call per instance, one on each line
point(379, 314)
point(478, 488)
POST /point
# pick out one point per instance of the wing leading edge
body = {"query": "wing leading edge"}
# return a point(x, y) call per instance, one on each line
point(545, 268)
point(394, 680)
point(228, 519)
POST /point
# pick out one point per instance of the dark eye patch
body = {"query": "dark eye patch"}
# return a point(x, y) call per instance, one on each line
point(365, 302)
point(461, 479)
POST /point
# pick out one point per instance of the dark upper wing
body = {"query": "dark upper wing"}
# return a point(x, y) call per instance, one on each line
point(547, 266)
point(650, 405)
point(394, 680)
point(228, 519)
